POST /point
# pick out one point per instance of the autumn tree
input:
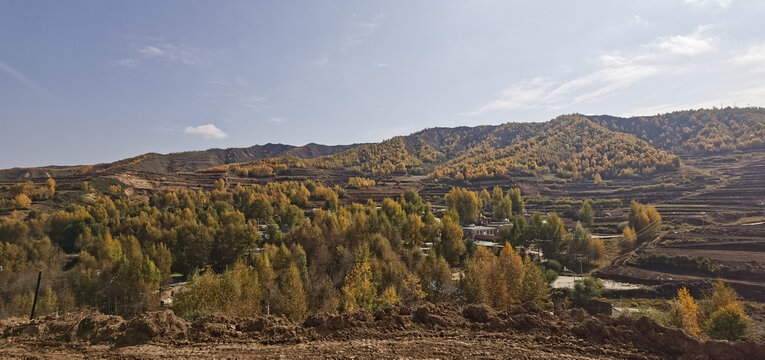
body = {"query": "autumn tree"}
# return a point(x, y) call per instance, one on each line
point(360, 290)
point(683, 313)
point(292, 302)
point(465, 202)
point(513, 270)
point(22, 201)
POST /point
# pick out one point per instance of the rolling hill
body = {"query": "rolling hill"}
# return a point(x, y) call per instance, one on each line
point(569, 146)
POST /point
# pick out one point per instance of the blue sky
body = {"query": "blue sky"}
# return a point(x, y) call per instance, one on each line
point(96, 81)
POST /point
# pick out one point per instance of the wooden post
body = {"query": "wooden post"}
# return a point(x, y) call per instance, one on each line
point(37, 290)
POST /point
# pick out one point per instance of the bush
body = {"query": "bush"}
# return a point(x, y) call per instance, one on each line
point(728, 323)
point(586, 289)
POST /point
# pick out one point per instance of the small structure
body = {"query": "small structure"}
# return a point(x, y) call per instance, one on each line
point(494, 247)
point(472, 230)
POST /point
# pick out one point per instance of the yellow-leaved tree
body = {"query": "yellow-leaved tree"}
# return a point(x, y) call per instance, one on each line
point(683, 314)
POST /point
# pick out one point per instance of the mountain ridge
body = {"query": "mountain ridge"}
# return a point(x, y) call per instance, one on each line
point(570, 146)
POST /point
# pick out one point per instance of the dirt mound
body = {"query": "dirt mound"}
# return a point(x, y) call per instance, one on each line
point(524, 326)
point(95, 327)
point(443, 315)
point(671, 343)
point(478, 313)
point(263, 329)
point(154, 326)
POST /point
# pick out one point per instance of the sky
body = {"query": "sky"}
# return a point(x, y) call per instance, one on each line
point(85, 82)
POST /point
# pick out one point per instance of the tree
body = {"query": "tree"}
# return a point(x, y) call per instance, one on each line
point(535, 287)
point(517, 200)
point(360, 290)
point(493, 279)
point(597, 179)
point(723, 314)
point(512, 267)
point(729, 323)
point(22, 201)
point(645, 220)
point(586, 215)
point(502, 206)
point(292, 302)
point(412, 203)
point(465, 202)
point(269, 291)
point(451, 247)
point(552, 235)
point(436, 278)
point(471, 285)
point(628, 237)
point(683, 312)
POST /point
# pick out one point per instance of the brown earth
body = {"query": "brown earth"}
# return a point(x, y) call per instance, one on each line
point(427, 331)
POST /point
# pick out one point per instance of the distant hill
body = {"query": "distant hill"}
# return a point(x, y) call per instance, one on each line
point(709, 131)
point(188, 161)
point(569, 146)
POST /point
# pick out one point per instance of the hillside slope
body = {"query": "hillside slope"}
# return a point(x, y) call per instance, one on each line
point(705, 130)
point(570, 146)
point(188, 161)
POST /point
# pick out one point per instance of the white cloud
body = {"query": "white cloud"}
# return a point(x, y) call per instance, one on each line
point(614, 71)
point(277, 120)
point(754, 56)
point(382, 65)
point(208, 131)
point(694, 44)
point(164, 51)
point(709, 3)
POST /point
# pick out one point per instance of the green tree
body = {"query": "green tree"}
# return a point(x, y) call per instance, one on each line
point(535, 288)
point(471, 285)
point(587, 215)
point(586, 289)
point(517, 200)
point(451, 246)
point(729, 323)
point(436, 278)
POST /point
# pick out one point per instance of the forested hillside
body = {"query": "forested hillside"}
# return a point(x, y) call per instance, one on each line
point(569, 146)
point(710, 131)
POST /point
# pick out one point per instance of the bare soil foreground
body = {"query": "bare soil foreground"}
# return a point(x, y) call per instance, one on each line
point(428, 331)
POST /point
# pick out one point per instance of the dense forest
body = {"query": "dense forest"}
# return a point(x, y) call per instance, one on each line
point(285, 248)
point(706, 131)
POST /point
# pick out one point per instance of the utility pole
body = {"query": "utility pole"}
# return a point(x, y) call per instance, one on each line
point(37, 290)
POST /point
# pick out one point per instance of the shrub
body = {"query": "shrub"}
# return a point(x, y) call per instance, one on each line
point(728, 323)
point(586, 289)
